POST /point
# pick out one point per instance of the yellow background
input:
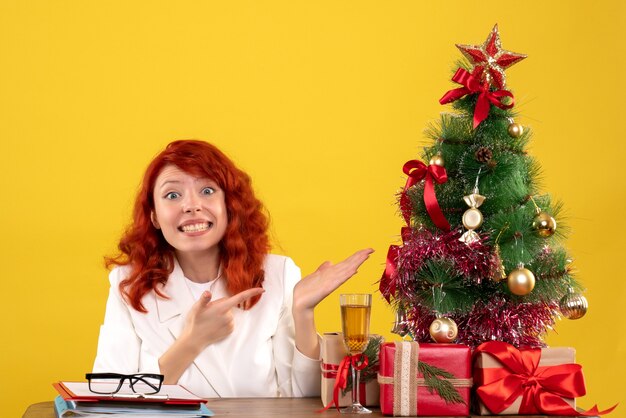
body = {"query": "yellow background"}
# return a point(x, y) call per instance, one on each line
point(321, 102)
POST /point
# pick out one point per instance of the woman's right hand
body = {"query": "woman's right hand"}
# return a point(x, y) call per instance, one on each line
point(207, 322)
point(210, 321)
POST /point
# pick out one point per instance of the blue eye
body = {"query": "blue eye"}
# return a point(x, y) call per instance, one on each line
point(172, 195)
point(208, 191)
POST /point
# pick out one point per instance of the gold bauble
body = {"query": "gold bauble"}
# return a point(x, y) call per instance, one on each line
point(521, 281)
point(573, 305)
point(515, 130)
point(472, 218)
point(436, 160)
point(544, 224)
point(443, 330)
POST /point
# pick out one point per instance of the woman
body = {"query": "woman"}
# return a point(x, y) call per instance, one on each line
point(195, 295)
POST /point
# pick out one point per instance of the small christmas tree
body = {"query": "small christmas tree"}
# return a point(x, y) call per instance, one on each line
point(481, 257)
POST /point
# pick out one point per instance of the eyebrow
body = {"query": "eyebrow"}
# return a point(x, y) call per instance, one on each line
point(199, 179)
point(165, 183)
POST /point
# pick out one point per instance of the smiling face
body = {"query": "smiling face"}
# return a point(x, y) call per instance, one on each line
point(189, 211)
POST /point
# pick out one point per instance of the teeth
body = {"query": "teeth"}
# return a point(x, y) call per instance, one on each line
point(195, 227)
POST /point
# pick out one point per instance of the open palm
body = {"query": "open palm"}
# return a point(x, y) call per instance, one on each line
point(312, 289)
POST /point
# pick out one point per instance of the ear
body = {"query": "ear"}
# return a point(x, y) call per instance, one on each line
point(153, 218)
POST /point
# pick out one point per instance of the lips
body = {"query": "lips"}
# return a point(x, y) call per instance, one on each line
point(196, 226)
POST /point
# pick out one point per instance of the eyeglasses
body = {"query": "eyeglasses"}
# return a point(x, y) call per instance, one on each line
point(111, 383)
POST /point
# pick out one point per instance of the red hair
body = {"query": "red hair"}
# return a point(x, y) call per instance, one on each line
point(242, 250)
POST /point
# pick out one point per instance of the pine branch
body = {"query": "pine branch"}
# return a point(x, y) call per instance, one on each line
point(370, 372)
point(371, 351)
point(435, 379)
point(440, 286)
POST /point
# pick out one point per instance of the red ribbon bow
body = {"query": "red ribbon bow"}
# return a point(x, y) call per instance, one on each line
point(542, 388)
point(471, 84)
point(387, 286)
point(358, 362)
point(416, 171)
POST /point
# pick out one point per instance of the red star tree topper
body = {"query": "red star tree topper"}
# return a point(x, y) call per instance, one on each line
point(491, 58)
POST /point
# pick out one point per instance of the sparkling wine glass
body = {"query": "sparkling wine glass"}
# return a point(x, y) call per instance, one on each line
point(355, 322)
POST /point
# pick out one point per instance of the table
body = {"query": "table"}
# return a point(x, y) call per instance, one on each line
point(253, 407)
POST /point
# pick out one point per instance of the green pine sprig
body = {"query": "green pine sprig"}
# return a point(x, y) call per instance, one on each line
point(370, 372)
point(435, 379)
point(441, 288)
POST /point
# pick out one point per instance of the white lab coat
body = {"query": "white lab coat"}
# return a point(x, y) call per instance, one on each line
point(258, 359)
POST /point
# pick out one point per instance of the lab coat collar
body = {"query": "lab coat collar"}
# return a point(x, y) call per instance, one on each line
point(179, 297)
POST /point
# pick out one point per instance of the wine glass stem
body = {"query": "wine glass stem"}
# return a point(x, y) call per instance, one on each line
point(356, 375)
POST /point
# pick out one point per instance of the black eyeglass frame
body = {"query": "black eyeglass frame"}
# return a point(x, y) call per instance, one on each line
point(132, 380)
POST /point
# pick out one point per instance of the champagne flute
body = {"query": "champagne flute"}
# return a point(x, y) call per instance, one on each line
point(355, 322)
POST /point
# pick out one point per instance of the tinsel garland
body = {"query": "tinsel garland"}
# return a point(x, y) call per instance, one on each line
point(519, 324)
point(474, 262)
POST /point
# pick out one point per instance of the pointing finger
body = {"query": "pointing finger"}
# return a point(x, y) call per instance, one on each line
point(241, 297)
point(205, 298)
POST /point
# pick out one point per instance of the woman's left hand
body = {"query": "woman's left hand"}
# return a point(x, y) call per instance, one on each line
point(312, 289)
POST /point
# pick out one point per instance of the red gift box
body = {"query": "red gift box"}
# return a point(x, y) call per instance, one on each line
point(528, 381)
point(405, 392)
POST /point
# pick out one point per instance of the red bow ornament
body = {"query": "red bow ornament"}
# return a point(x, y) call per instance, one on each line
point(387, 286)
point(471, 84)
point(542, 388)
point(416, 171)
point(358, 362)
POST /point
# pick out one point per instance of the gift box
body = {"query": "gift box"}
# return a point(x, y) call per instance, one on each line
point(425, 379)
point(527, 381)
point(333, 353)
